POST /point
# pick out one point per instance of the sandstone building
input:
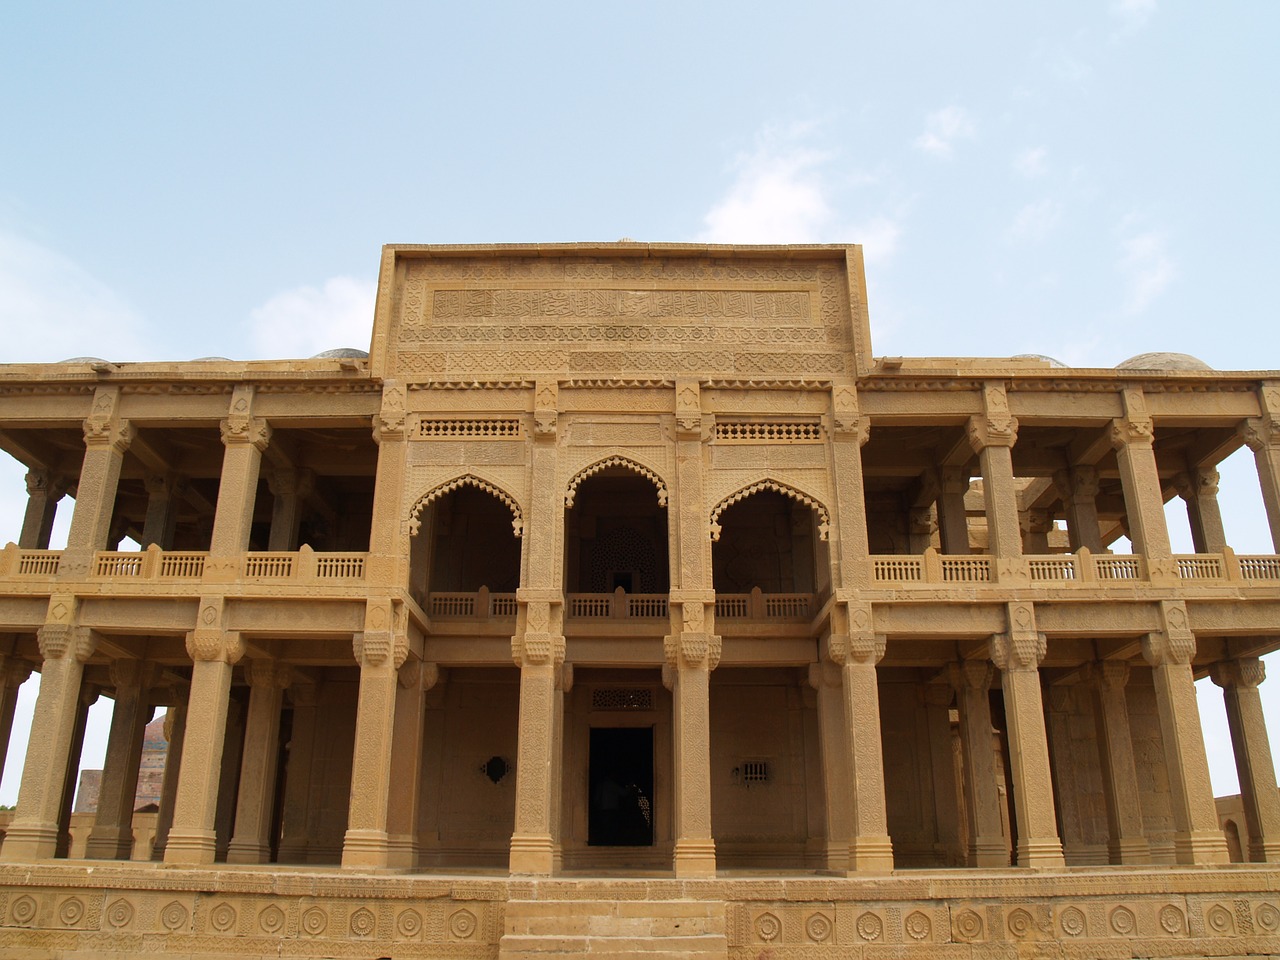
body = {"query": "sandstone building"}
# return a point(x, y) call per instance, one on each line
point(620, 600)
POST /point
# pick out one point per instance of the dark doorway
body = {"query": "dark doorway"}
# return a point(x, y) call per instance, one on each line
point(620, 810)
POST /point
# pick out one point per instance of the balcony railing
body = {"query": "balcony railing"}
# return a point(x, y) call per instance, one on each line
point(760, 606)
point(480, 605)
point(618, 605)
point(154, 564)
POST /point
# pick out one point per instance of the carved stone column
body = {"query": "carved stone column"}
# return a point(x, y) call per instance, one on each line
point(251, 838)
point(953, 521)
point(88, 697)
point(289, 488)
point(992, 437)
point(539, 652)
point(44, 490)
point(1133, 437)
point(213, 651)
point(850, 432)
point(380, 651)
point(1199, 490)
point(1079, 489)
point(1239, 681)
point(987, 848)
point(1036, 526)
point(162, 510)
point(1017, 654)
point(946, 808)
point(691, 655)
point(65, 646)
point(857, 650)
point(175, 731)
point(1197, 836)
point(294, 835)
point(1127, 842)
point(1262, 434)
point(244, 439)
point(112, 834)
point(414, 680)
point(833, 737)
point(13, 674)
point(106, 438)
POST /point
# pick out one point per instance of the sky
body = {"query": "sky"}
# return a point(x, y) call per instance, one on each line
point(1085, 180)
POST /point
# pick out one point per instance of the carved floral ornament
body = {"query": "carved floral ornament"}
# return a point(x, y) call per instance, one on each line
point(601, 465)
point(824, 519)
point(415, 514)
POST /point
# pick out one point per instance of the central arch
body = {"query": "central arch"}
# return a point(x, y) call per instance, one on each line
point(776, 486)
point(571, 491)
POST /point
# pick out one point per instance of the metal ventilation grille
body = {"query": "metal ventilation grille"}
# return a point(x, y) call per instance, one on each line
point(622, 698)
point(504, 429)
point(763, 431)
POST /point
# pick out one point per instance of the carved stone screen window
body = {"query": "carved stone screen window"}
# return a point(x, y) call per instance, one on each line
point(506, 428)
point(622, 698)
point(769, 431)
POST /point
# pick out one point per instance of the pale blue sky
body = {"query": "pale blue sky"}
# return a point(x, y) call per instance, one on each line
point(1085, 180)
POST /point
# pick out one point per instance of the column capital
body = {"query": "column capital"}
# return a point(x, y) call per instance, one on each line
point(987, 431)
point(127, 674)
point(535, 648)
point(1246, 672)
point(268, 674)
point(954, 481)
point(1261, 433)
point(1036, 520)
point(687, 649)
point(251, 430)
point(847, 422)
point(14, 672)
point(1175, 643)
point(113, 434)
point(1127, 432)
point(975, 675)
point(1021, 647)
point(1110, 675)
point(223, 646)
point(824, 674)
point(854, 648)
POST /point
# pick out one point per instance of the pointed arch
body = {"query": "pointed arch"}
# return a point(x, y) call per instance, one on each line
point(467, 479)
point(777, 486)
point(615, 461)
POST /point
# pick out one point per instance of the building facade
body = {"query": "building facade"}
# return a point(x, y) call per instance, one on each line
point(620, 600)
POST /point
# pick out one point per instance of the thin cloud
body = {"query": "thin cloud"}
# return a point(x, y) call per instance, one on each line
point(1132, 15)
point(1031, 163)
point(307, 320)
point(55, 309)
point(943, 128)
point(880, 237)
point(1035, 221)
point(1147, 268)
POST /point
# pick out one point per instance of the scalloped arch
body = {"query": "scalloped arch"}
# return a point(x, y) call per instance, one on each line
point(777, 486)
point(466, 480)
point(615, 461)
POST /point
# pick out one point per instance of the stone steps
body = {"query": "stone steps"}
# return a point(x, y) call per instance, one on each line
point(625, 930)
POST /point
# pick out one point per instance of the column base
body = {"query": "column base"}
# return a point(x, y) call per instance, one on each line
point(837, 856)
point(1040, 852)
point(987, 852)
point(109, 843)
point(870, 855)
point(1201, 846)
point(695, 858)
point(292, 851)
point(194, 848)
point(1268, 851)
point(533, 854)
point(362, 849)
point(246, 852)
point(25, 842)
point(1129, 850)
point(402, 851)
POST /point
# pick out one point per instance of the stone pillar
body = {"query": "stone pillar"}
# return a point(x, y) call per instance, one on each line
point(175, 730)
point(65, 646)
point(857, 650)
point(1199, 490)
point(850, 548)
point(953, 521)
point(294, 835)
point(1018, 653)
point(13, 674)
point(1197, 836)
point(244, 438)
point(251, 837)
point(1239, 681)
point(380, 650)
point(972, 681)
point(414, 680)
point(162, 511)
point(229, 772)
point(1262, 434)
point(106, 438)
point(937, 702)
point(112, 834)
point(992, 437)
point(1127, 842)
point(1036, 525)
point(213, 651)
point(833, 736)
point(921, 526)
point(44, 490)
point(288, 488)
point(1079, 489)
point(1133, 437)
point(691, 655)
point(88, 697)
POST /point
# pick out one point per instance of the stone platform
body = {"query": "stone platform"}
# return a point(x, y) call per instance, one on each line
point(83, 910)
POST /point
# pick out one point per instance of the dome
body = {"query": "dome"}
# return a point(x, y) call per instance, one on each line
point(206, 359)
point(1038, 356)
point(342, 353)
point(83, 360)
point(1163, 361)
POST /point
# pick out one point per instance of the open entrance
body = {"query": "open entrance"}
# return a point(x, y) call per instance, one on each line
point(620, 808)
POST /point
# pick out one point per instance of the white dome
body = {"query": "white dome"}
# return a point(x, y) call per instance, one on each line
point(1163, 361)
